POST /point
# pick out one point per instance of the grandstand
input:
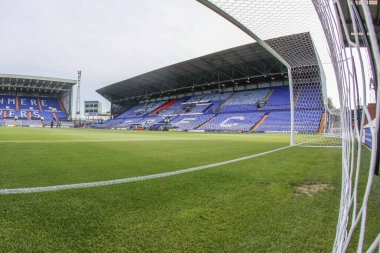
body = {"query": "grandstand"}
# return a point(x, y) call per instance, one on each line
point(242, 89)
point(35, 101)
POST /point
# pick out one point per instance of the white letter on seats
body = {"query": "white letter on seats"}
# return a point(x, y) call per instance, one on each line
point(36, 114)
point(224, 123)
point(23, 114)
point(11, 100)
point(185, 121)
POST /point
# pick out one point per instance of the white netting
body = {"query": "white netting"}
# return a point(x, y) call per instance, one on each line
point(349, 52)
point(291, 30)
point(355, 67)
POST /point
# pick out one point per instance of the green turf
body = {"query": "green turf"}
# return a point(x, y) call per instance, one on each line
point(38, 157)
point(248, 206)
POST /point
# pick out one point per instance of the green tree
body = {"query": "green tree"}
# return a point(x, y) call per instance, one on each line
point(330, 103)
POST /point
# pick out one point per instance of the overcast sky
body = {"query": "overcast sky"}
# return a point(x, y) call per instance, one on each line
point(109, 40)
point(112, 40)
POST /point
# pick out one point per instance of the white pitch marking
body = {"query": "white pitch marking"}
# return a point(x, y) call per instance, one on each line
point(105, 140)
point(127, 180)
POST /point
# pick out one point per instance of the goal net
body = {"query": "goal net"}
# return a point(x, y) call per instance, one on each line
point(341, 33)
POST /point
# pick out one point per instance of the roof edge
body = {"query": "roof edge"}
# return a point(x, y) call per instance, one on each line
point(41, 78)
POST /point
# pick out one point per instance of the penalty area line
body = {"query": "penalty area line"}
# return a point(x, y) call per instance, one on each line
point(130, 179)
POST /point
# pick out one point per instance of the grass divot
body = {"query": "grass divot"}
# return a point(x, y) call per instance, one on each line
point(311, 189)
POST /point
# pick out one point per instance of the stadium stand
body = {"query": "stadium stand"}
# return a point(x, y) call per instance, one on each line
point(233, 121)
point(190, 122)
point(307, 121)
point(309, 96)
point(199, 108)
point(173, 108)
point(8, 102)
point(28, 103)
point(141, 110)
point(49, 104)
point(277, 121)
point(212, 88)
point(133, 112)
point(279, 100)
point(149, 121)
point(27, 109)
point(163, 107)
point(244, 101)
point(230, 111)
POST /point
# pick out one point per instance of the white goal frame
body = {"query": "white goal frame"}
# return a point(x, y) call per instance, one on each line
point(342, 45)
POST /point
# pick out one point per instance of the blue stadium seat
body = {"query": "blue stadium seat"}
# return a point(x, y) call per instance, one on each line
point(233, 121)
point(190, 122)
point(238, 111)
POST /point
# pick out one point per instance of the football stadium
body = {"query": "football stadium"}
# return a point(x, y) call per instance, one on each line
point(238, 150)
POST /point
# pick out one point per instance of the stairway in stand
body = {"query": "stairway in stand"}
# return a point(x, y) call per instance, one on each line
point(164, 107)
point(17, 103)
point(55, 116)
point(225, 101)
point(322, 123)
point(298, 94)
point(206, 122)
point(259, 123)
point(39, 104)
point(61, 105)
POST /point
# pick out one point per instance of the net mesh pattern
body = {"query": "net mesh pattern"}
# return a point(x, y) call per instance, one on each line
point(349, 52)
point(293, 23)
point(311, 113)
point(345, 127)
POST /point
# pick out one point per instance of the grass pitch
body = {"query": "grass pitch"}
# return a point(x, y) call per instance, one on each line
point(248, 206)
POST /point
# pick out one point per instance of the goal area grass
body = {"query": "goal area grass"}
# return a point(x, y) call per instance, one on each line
point(285, 201)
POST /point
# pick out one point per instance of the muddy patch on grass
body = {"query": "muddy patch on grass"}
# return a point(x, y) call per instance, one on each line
point(311, 189)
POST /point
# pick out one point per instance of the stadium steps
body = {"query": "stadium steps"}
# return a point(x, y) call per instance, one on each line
point(163, 107)
point(322, 123)
point(17, 103)
point(298, 94)
point(61, 106)
point(259, 122)
point(266, 99)
point(268, 95)
point(39, 104)
point(55, 116)
point(225, 101)
point(204, 123)
point(203, 110)
point(181, 111)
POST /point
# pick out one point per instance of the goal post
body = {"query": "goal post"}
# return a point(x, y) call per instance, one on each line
point(305, 73)
point(354, 54)
point(224, 13)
